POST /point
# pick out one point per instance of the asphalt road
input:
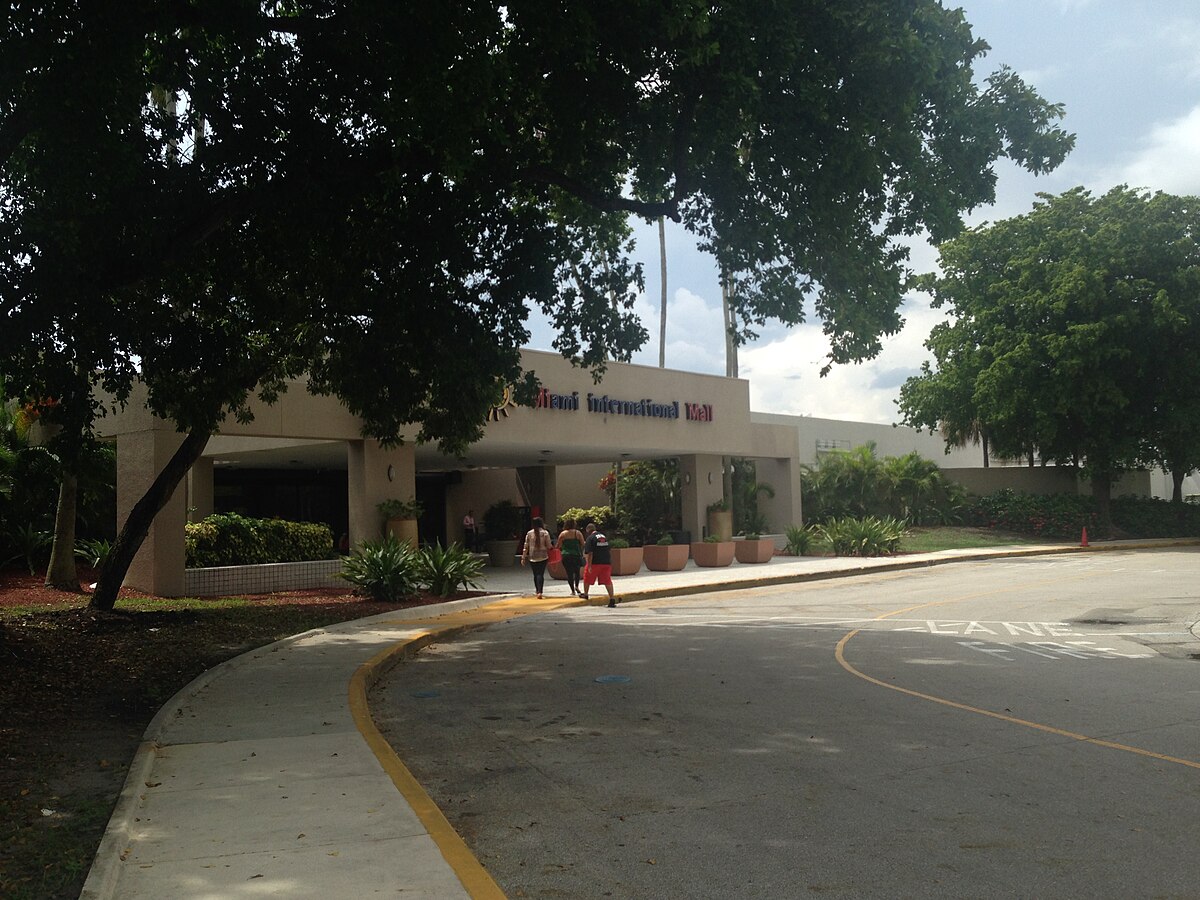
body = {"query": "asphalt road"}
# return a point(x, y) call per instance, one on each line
point(1014, 728)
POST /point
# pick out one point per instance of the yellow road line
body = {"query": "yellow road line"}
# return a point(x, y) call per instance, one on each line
point(840, 654)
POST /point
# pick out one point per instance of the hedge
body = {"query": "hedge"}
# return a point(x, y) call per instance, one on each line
point(227, 539)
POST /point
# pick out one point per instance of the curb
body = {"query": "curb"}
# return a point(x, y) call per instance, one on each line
point(103, 875)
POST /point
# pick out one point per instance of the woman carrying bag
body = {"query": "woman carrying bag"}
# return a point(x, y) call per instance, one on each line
point(537, 553)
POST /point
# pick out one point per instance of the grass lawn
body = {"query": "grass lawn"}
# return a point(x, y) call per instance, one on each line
point(932, 539)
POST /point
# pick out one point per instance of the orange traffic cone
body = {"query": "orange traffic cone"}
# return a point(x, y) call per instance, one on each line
point(1083, 541)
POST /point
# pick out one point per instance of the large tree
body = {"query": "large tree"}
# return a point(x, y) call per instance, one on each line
point(212, 197)
point(1073, 333)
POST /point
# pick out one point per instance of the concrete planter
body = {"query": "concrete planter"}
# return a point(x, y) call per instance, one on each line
point(720, 524)
point(712, 555)
point(626, 560)
point(758, 551)
point(502, 554)
point(665, 557)
point(403, 530)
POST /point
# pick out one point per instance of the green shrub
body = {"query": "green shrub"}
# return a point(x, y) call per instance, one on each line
point(1061, 516)
point(228, 539)
point(799, 540)
point(1064, 516)
point(602, 516)
point(752, 536)
point(649, 499)
point(619, 544)
point(868, 536)
point(30, 544)
point(444, 571)
point(400, 509)
point(666, 540)
point(713, 539)
point(503, 521)
point(94, 552)
point(387, 570)
point(855, 483)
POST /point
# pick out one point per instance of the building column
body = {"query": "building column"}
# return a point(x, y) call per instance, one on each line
point(375, 474)
point(200, 490)
point(784, 509)
point(158, 566)
point(700, 480)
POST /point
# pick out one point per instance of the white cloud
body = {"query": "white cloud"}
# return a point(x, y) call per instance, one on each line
point(695, 335)
point(785, 374)
point(1169, 159)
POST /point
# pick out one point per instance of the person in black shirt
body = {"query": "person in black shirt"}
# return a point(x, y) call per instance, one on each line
point(598, 556)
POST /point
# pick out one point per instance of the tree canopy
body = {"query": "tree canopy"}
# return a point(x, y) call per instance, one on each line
point(211, 198)
point(1074, 335)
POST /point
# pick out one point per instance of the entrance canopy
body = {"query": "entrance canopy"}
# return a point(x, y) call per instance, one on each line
point(635, 412)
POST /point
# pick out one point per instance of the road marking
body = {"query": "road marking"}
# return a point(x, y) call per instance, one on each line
point(840, 654)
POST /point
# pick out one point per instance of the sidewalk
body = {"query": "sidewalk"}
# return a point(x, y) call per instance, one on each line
point(266, 777)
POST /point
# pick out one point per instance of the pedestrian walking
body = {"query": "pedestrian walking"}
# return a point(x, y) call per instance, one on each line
point(536, 552)
point(597, 555)
point(570, 545)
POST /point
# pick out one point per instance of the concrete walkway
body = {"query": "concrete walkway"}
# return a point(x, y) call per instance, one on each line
point(266, 776)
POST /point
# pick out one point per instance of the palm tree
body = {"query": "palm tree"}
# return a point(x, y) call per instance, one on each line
point(662, 319)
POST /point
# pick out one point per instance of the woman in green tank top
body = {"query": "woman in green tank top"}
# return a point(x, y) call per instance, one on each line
point(570, 544)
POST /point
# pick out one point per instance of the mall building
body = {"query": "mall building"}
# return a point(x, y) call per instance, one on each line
point(304, 458)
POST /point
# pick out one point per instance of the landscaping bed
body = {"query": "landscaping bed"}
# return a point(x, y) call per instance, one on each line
point(78, 689)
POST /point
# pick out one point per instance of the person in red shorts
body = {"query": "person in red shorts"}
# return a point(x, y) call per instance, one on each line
point(598, 557)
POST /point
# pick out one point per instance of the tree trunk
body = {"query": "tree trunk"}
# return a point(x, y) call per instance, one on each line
point(662, 320)
point(985, 451)
point(61, 572)
point(1177, 476)
point(137, 526)
point(727, 315)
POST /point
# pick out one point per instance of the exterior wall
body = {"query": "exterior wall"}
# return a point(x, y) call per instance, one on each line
point(815, 436)
point(577, 486)
point(608, 434)
point(263, 579)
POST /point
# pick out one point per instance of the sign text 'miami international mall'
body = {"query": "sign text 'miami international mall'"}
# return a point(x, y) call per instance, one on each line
point(612, 406)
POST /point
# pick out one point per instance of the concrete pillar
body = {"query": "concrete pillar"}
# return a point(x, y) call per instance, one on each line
point(375, 474)
point(159, 564)
point(700, 478)
point(784, 508)
point(200, 490)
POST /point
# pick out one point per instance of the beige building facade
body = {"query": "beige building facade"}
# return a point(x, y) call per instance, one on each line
point(546, 458)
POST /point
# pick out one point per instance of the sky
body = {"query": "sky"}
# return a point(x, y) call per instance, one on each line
point(1128, 73)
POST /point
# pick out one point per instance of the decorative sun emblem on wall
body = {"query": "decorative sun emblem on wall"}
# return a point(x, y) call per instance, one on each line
point(501, 408)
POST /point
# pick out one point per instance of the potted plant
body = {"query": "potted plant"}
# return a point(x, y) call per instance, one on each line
point(626, 560)
point(665, 556)
point(400, 520)
point(712, 552)
point(754, 548)
point(720, 520)
point(502, 525)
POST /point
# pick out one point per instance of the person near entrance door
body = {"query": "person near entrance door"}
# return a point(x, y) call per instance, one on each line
point(537, 553)
point(570, 544)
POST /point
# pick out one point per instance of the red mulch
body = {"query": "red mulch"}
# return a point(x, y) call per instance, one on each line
point(19, 588)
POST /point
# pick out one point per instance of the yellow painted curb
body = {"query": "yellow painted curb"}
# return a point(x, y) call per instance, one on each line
point(474, 877)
